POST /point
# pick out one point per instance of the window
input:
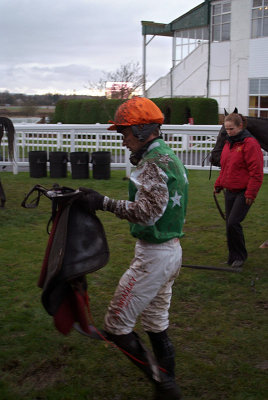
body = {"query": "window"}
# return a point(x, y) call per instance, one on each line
point(187, 40)
point(219, 90)
point(259, 25)
point(258, 97)
point(221, 21)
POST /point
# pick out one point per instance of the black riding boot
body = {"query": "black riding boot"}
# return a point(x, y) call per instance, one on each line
point(142, 358)
point(165, 355)
point(134, 349)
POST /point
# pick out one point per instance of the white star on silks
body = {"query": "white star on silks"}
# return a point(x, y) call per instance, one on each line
point(176, 199)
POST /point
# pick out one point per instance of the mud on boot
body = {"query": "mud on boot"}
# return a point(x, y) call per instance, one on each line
point(168, 390)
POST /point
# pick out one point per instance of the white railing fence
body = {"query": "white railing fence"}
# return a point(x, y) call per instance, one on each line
point(191, 143)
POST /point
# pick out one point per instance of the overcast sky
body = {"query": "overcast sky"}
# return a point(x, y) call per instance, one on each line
point(58, 46)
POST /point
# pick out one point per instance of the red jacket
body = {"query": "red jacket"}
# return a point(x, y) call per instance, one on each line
point(241, 167)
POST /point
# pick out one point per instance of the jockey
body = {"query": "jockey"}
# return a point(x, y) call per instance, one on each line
point(156, 209)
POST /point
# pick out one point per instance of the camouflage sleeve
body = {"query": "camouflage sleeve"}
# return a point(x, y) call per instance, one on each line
point(151, 198)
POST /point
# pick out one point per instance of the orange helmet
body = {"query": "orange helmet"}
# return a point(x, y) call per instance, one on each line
point(137, 111)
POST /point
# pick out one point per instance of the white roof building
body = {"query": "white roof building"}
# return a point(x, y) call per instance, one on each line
point(220, 50)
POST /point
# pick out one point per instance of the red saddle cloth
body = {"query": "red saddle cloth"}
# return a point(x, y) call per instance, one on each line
point(74, 308)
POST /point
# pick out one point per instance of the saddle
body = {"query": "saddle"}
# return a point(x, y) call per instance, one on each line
point(76, 246)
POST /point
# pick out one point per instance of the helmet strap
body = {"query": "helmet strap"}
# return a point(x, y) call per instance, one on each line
point(137, 156)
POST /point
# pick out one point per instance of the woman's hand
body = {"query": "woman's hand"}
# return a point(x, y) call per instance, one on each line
point(217, 189)
point(249, 201)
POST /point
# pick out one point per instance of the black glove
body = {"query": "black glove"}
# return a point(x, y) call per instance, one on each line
point(217, 189)
point(91, 199)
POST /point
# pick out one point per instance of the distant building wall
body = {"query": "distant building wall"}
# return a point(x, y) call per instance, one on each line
point(219, 85)
point(258, 58)
point(238, 69)
point(239, 54)
point(189, 77)
point(161, 88)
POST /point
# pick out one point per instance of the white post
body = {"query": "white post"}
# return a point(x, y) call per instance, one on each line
point(97, 141)
point(144, 67)
point(72, 136)
point(185, 142)
point(128, 163)
point(15, 150)
point(59, 140)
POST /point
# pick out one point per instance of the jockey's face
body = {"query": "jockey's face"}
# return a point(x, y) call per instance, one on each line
point(232, 129)
point(130, 141)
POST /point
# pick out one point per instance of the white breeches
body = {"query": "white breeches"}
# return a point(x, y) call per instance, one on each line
point(145, 288)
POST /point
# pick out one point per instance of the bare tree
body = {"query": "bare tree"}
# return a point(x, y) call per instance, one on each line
point(127, 79)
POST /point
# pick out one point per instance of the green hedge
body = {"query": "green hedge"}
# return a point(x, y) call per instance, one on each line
point(59, 114)
point(98, 111)
point(88, 113)
point(203, 111)
point(85, 111)
point(72, 111)
point(176, 111)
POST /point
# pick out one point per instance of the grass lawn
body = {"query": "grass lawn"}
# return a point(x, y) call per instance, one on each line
point(218, 320)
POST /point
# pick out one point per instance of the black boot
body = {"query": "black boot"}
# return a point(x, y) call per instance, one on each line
point(135, 350)
point(165, 356)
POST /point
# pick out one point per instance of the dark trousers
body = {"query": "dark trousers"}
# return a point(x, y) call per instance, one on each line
point(236, 210)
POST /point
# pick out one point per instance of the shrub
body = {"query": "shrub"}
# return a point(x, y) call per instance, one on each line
point(72, 111)
point(203, 111)
point(60, 110)
point(176, 111)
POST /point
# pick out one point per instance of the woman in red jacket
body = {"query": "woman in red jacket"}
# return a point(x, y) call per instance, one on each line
point(241, 175)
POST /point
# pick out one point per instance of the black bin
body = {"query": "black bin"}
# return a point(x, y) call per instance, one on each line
point(101, 164)
point(38, 164)
point(58, 164)
point(79, 164)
